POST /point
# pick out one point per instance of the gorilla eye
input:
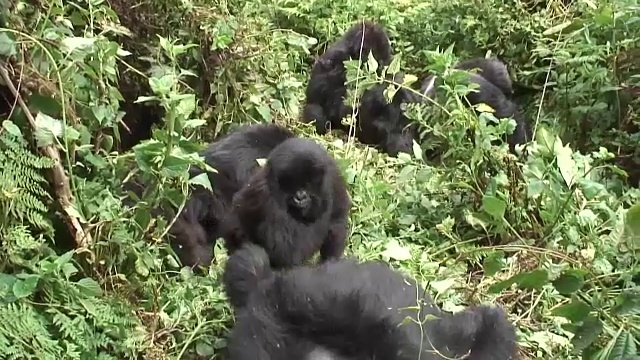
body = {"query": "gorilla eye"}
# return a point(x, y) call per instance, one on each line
point(180, 247)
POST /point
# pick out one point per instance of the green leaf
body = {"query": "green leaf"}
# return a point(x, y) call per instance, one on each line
point(204, 348)
point(141, 268)
point(47, 129)
point(194, 123)
point(26, 287)
point(440, 286)
point(417, 150)
point(394, 67)
point(372, 64)
point(202, 180)
point(624, 345)
point(162, 85)
point(494, 206)
point(7, 45)
point(72, 44)
point(500, 286)
point(12, 128)
point(587, 333)
point(576, 311)
point(409, 79)
point(393, 250)
point(566, 164)
point(89, 287)
point(569, 282)
point(632, 226)
point(535, 279)
point(264, 112)
point(186, 104)
point(627, 303)
point(493, 263)
point(6, 287)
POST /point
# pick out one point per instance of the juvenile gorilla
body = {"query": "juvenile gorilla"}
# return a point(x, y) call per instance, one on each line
point(384, 124)
point(494, 89)
point(294, 206)
point(342, 310)
point(234, 156)
point(326, 89)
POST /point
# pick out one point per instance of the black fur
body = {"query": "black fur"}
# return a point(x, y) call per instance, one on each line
point(384, 124)
point(494, 89)
point(492, 69)
point(349, 311)
point(326, 90)
point(294, 206)
point(234, 156)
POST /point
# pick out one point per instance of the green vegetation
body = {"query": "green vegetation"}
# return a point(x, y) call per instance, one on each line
point(553, 237)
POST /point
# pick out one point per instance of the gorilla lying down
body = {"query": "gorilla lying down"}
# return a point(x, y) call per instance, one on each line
point(326, 90)
point(295, 206)
point(343, 310)
point(194, 232)
point(385, 126)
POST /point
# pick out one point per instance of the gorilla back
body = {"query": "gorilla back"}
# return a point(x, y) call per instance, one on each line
point(346, 310)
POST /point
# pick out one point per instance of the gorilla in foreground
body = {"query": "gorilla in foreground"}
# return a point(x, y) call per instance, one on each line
point(234, 157)
point(294, 206)
point(326, 90)
point(344, 310)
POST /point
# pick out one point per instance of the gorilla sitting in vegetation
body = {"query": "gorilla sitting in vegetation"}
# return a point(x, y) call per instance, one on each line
point(295, 206)
point(384, 125)
point(494, 88)
point(350, 311)
point(326, 90)
point(234, 157)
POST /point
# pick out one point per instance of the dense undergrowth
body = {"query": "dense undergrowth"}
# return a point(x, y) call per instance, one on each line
point(553, 237)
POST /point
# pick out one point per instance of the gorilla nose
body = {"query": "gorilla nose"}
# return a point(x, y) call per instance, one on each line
point(301, 198)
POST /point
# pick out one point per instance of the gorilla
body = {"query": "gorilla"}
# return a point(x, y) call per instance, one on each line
point(494, 89)
point(294, 206)
point(326, 89)
point(234, 157)
point(383, 124)
point(343, 310)
point(492, 69)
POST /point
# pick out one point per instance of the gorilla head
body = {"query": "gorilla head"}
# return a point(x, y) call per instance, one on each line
point(298, 170)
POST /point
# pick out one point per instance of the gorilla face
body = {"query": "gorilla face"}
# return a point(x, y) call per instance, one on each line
point(298, 169)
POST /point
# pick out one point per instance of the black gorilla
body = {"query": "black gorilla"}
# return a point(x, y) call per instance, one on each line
point(345, 310)
point(234, 156)
point(495, 89)
point(326, 89)
point(384, 124)
point(294, 206)
point(491, 69)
